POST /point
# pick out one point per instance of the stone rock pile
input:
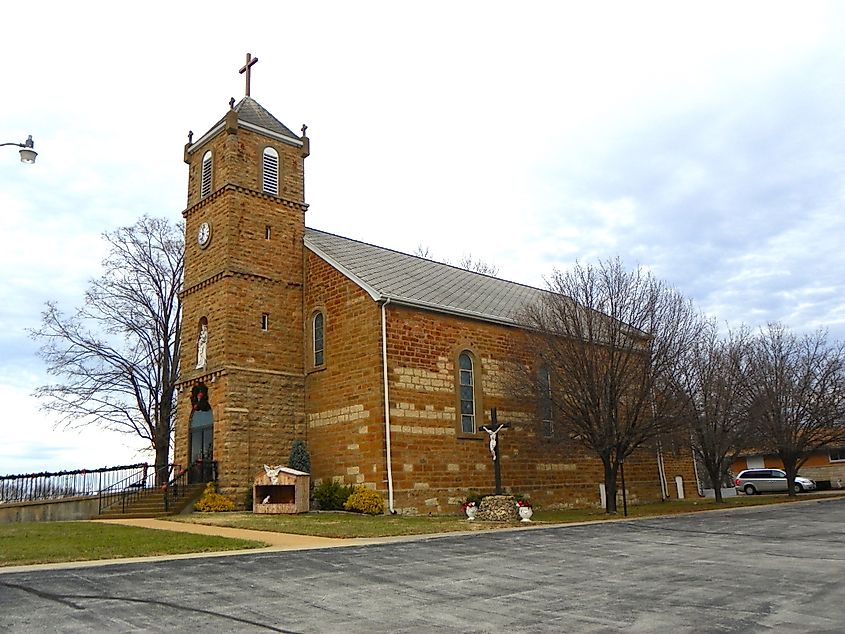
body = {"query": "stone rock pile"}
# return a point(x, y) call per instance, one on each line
point(498, 508)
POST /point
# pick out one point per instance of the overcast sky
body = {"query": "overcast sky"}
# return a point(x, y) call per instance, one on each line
point(704, 141)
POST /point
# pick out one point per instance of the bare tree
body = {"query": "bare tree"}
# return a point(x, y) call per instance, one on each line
point(477, 265)
point(610, 341)
point(467, 262)
point(710, 382)
point(795, 392)
point(422, 252)
point(117, 356)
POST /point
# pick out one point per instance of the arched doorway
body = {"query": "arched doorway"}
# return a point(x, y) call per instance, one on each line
point(201, 446)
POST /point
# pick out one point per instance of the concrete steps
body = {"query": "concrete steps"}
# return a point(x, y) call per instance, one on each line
point(150, 503)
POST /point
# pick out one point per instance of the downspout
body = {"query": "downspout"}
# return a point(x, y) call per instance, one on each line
point(661, 468)
point(695, 470)
point(386, 408)
point(661, 471)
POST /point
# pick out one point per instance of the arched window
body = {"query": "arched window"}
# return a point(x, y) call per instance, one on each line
point(544, 381)
point(270, 171)
point(205, 181)
point(319, 341)
point(467, 392)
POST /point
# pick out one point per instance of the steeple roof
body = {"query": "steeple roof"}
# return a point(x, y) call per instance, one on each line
point(250, 111)
point(252, 114)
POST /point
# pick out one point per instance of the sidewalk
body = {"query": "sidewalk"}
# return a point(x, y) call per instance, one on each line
point(274, 541)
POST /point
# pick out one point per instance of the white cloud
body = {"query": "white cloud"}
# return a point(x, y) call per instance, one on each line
point(702, 141)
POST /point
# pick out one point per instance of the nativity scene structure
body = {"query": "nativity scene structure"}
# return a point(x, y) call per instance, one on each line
point(387, 365)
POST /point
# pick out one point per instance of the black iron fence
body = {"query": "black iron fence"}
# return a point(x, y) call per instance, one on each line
point(113, 486)
point(45, 486)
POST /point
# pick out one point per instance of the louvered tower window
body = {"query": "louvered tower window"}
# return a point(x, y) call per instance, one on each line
point(271, 171)
point(205, 184)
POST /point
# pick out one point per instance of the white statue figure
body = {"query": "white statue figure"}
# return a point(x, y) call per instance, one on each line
point(273, 473)
point(202, 346)
point(493, 434)
point(266, 500)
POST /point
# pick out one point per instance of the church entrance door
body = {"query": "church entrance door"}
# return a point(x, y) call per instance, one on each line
point(201, 448)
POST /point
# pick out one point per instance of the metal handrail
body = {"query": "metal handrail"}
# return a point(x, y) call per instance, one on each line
point(128, 490)
point(177, 488)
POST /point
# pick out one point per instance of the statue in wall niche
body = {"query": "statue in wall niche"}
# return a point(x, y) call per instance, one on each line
point(273, 473)
point(202, 346)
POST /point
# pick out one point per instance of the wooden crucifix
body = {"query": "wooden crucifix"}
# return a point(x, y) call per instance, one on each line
point(247, 69)
point(493, 431)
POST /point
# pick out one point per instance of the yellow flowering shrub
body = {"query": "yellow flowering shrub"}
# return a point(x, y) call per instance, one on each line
point(364, 500)
point(213, 502)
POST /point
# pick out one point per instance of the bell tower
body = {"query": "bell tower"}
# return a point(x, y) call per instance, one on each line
point(242, 299)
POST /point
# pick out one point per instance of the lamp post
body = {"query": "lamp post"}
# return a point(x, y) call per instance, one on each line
point(28, 152)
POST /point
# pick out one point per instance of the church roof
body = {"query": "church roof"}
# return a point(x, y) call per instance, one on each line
point(415, 281)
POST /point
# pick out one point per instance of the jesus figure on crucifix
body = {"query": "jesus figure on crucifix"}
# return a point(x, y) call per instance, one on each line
point(493, 433)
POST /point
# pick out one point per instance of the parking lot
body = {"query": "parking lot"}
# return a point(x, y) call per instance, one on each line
point(764, 569)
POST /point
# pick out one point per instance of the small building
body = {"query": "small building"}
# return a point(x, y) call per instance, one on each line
point(281, 490)
point(824, 465)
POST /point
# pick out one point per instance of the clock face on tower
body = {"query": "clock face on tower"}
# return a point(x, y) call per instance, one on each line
point(204, 235)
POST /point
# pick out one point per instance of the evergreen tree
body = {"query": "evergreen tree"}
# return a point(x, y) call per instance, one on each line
point(299, 458)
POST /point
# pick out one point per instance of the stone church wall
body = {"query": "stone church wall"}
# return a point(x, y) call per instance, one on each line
point(434, 464)
point(344, 404)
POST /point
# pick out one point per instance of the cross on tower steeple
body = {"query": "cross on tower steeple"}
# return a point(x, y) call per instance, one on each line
point(247, 69)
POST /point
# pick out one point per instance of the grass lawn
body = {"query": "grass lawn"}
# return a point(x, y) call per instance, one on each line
point(50, 542)
point(341, 524)
point(345, 525)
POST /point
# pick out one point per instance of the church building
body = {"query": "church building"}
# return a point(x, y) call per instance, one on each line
point(387, 365)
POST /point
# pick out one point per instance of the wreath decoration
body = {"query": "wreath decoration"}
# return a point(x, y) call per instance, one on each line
point(199, 398)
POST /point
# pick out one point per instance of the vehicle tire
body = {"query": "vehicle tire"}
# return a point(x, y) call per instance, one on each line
point(797, 488)
point(749, 490)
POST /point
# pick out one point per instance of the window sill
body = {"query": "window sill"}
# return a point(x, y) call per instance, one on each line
point(462, 435)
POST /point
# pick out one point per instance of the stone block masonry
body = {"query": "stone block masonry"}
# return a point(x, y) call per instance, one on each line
point(246, 284)
point(435, 464)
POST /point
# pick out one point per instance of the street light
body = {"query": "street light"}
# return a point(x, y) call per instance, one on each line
point(28, 152)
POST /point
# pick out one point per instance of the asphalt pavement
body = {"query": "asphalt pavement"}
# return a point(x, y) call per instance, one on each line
point(778, 568)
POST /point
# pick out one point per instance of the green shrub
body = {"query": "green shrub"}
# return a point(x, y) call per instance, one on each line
point(474, 496)
point(299, 458)
point(331, 495)
point(213, 502)
point(364, 500)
